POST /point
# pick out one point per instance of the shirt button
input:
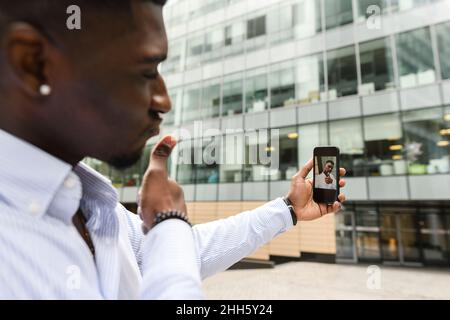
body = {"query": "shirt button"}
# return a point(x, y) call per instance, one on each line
point(34, 208)
point(70, 183)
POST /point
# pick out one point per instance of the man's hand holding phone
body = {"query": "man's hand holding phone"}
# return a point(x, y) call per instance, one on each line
point(301, 195)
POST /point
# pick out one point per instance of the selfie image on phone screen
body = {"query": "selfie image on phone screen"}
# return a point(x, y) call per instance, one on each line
point(326, 173)
point(326, 176)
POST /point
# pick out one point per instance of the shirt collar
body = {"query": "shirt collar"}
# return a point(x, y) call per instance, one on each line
point(29, 177)
point(36, 182)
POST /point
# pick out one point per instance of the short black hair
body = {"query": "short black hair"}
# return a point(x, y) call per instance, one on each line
point(51, 15)
point(330, 161)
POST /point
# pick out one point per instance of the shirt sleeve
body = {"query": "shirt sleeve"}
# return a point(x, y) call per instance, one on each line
point(222, 243)
point(169, 263)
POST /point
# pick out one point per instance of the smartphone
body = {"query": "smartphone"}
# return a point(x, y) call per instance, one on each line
point(326, 175)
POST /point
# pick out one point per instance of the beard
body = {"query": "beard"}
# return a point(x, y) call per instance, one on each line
point(125, 161)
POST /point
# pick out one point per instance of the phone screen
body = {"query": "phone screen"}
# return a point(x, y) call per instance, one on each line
point(326, 174)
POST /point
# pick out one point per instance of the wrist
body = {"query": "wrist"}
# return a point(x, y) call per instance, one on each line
point(163, 216)
point(290, 206)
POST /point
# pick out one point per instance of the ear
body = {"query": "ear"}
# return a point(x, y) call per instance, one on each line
point(26, 54)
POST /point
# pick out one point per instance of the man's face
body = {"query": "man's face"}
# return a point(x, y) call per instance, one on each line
point(112, 94)
point(328, 168)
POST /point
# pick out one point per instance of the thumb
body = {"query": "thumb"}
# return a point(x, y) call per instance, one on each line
point(161, 153)
point(303, 173)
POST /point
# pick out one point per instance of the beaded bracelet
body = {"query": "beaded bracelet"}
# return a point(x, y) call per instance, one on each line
point(163, 216)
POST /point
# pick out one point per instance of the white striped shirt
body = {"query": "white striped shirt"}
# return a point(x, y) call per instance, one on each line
point(42, 256)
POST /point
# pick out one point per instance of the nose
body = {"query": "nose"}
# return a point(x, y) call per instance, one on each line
point(160, 98)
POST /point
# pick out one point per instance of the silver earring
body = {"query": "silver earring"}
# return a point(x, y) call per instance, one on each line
point(45, 90)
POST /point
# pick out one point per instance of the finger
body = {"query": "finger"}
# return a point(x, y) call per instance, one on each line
point(341, 197)
point(161, 153)
point(336, 206)
point(342, 172)
point(303, 173)
point(342, 183)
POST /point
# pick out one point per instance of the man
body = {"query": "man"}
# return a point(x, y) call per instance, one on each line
point(96, 92)
point(326, 180)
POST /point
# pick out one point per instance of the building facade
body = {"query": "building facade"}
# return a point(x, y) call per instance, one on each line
point(369, 76)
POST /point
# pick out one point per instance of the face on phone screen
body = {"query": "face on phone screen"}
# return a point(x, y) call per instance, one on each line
point(325, 172)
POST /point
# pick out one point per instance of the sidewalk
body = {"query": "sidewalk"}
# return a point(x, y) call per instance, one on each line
point(306, 280)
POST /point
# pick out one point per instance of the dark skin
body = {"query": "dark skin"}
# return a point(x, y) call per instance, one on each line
point(106, 93)
point(327, 170)
point(106, 99)
point(105, 102)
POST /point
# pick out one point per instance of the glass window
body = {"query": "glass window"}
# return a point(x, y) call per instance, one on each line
point(234, 38)
point(191, 103)
point(309, 79)
point(206, 160)
point(195, 48)
point(427, 141)
point(307, 18)
point(173, 62)
point(232, 158)
point(347, 135)
point(175, 95)
point(415, 58)
point(309, 137)
point(403, 5)
point(132, 177)
point(384, 145)
point(256, 27)
point(287, 153)
point(280, 22)
point(256, 94)
point(257, 152)
point(376, 66)
point(211, 99)
point(443, 39)
point(185, 162)
point(338, 13)
point(232, 95)
point(282, 85)
point(342, 77)
point(367, 233)
point(214, 41)
point(434, 235)
point(363, 6)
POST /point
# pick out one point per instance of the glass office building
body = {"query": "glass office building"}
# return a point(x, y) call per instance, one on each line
point(371, 77)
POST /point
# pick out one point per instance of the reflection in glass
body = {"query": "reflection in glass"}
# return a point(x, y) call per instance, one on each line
point(206, 167)
point(191, 104)
point(443, 39)
point(311, 136)
point(307, 18)
point(232, 95)
point(342, 77)
point(211, 99)
point(376, 66)
point(384, 145)
point(348, 137)
point(415, 58)
point(310, 79)
point(427, 141)
point(282, 85)
point(435, 233)
point(338, 13)
point(256, 94)
point(232, 158)
point(185, 163)
point(287, 155)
